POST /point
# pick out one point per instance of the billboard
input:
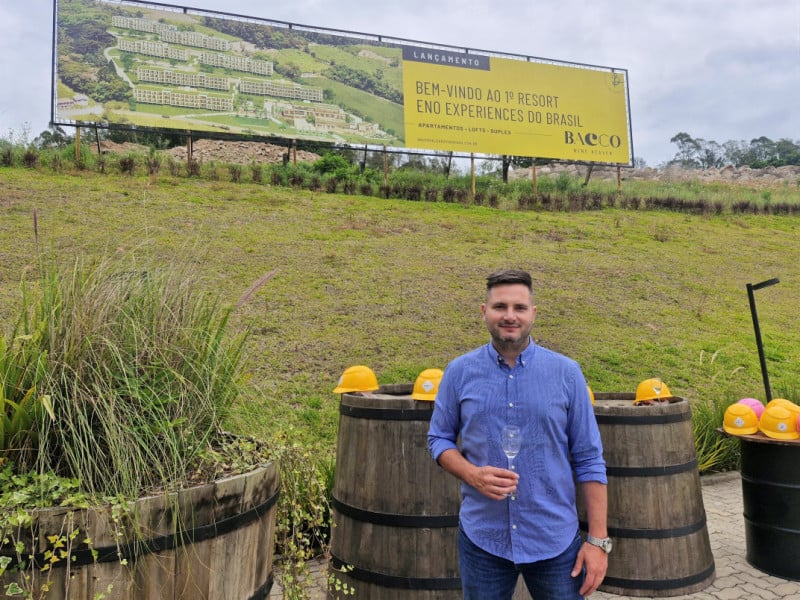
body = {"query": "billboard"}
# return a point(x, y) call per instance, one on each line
point(127, 63)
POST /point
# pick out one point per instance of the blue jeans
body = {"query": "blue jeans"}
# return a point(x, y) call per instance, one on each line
point(488, 577)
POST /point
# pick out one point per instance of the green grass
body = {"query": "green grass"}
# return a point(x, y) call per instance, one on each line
point(396, 285)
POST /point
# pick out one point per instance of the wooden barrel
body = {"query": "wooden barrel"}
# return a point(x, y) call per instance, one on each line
point(656, 515)
point(224, 548)
point(771, 498)
point(395, 512)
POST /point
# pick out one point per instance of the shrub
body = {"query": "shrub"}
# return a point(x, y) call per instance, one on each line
point(235, 172)
point(173, 167)
point(7, 156)
point(56, 163)
point(256, 172)
point(331, 163)
point(140, 372)
point(193, 167)
point(127, 165)
point(30, 158)
point(153, 163)
point(212, 172)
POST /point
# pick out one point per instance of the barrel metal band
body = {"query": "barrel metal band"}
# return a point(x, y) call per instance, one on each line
point(643, 419)
point(262, 593)
point(385, 414)
point(132, 550)
point(651, 471)
point(394, 581)
point(659, 584)
point(652, 534)
point(395, 520)
point(767, 484)
point(769, 526)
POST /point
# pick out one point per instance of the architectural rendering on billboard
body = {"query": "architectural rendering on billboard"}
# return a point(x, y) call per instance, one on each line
point(126, 63)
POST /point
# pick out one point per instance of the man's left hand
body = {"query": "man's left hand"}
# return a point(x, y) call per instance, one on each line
point(595, 561)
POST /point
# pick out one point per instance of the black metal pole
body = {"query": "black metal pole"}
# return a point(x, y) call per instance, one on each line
point(752, 287)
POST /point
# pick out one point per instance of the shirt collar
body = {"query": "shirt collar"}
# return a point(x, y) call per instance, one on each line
point(522, 360)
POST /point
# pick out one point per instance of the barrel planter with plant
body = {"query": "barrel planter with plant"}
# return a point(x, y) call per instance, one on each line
point(117, 479)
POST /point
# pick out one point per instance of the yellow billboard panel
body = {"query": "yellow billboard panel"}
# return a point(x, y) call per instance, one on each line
point(483, 104)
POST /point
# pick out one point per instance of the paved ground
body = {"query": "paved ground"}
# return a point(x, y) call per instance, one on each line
point(735, 578)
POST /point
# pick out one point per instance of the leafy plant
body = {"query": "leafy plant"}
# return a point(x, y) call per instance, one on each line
point(28, 551)
point(140, 372)
point(22, 404)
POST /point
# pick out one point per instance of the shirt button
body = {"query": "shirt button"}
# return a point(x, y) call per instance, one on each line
point(511, 404)
point(513, 527)
point(511, 377)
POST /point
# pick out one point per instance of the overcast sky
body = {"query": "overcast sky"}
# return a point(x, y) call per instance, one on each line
point(716, 69)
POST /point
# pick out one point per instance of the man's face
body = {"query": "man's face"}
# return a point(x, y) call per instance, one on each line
point(509, 313)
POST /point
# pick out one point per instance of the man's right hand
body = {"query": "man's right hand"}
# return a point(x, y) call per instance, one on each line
point(494, 482)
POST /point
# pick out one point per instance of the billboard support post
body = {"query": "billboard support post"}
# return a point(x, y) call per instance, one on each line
point(189, 148)
point(533, 178)
point(588, 175)
point(294, 152)
point(78, 142)
point(385, 167)
point(472, 172)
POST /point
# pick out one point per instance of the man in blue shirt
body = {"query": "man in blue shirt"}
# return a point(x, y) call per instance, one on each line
point(521, 520)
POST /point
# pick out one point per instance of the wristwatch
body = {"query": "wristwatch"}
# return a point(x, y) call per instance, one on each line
point(602, 543)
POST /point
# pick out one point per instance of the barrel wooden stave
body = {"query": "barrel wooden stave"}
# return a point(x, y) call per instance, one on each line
point(233, 565)
point(383, 467)
point(655, 504)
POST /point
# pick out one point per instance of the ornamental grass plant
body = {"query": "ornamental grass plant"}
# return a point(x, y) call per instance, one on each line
point(138, 369)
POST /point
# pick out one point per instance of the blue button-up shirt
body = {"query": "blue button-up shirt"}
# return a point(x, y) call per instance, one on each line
point(545, 394)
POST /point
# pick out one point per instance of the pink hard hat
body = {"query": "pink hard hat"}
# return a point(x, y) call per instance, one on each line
point(756, 405)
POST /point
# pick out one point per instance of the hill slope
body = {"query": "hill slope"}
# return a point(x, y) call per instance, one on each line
point(396, 285)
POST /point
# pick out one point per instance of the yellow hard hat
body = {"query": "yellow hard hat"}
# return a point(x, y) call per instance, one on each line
point(357, 379)
point(591, 394)
point(755, 404)
point(740, 419)
point(787, 404)
point(651, 389)
point(779, 423)
point(427, 384)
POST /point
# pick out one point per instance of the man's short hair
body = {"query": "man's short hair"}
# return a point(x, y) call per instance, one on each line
point(508, 277)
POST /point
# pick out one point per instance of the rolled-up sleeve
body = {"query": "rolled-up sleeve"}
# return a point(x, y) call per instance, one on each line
point(446, 420)
point(586, 446)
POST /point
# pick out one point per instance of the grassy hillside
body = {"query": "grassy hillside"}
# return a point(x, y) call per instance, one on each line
point(396, 285)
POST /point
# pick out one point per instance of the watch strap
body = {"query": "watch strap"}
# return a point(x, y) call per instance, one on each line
point(602, 543)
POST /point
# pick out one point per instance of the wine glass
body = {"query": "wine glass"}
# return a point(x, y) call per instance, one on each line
point(511, 437)
point(657, 387)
